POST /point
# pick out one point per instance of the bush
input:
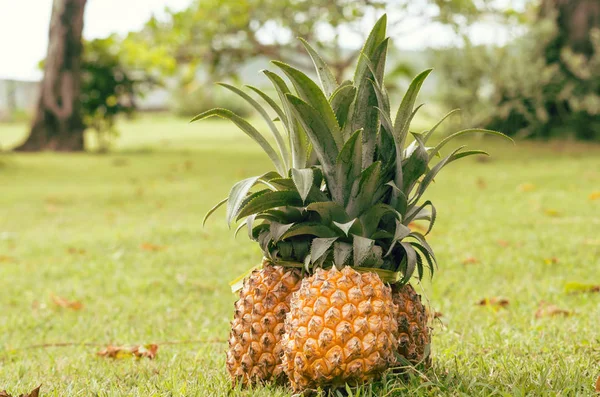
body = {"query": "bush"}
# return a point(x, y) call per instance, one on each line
point(515, 89)
point(109, 88)
point(188, 103)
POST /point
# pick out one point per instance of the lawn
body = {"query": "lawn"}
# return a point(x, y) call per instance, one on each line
point(122, 235)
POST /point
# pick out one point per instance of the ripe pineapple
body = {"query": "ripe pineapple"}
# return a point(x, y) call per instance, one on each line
point(341, 329)
point(413, 328)
point(346, 187)
point(254, 354)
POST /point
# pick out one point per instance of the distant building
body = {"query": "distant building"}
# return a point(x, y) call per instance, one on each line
point(17, 96)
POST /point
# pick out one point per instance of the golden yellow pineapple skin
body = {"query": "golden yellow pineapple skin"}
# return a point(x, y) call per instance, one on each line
point(341, 328)
point(255, 350)
point(414, 332)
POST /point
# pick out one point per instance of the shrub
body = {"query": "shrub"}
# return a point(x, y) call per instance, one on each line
point(189, 102)
point(109, 88)
point(516, 90)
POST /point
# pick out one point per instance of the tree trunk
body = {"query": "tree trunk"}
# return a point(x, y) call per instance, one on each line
point(574, 19)
point(58, 122)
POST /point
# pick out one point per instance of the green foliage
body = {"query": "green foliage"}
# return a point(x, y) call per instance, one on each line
point(218, 36)
point(515, 88)
point(108, 88)
point(189, 102)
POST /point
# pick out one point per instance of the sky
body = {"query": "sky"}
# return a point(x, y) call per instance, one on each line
point(24, 30)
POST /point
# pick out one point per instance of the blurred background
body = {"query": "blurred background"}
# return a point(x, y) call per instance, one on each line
point(530, 68)
point(104, 184)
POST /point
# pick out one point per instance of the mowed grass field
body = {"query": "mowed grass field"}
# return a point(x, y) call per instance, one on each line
point(122, 235)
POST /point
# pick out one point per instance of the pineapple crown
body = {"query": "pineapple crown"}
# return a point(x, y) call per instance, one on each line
point(346, 186)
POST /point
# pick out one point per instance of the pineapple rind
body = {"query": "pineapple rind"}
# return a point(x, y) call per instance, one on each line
point(254, 354)
point(341, 328)
point(414, 334)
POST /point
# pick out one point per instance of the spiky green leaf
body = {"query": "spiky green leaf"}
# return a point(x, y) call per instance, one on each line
point(376, 36)
point(310, 92)
point(429, 133)
point(405, 110)
point(444, 141)
point(326, 77)
point(348, 164)
point(415, 166)
point(342, 253)
point(417, 213)
point(312, 229)
point(279, 229)
point(371, 218)
point(303, 179)
point(366, 193)
point(341, 101)
point(400, 233)
point(299, 144)
point(345, 227)
point(278, 138)
point(239, 193)
point(271, 200)
point(319, 247)
point(361, 248)
point(213, 209)
point(329, 211)
point(280, 113)
point(411, 261)
point(322, 141)
point(364, 112)
point(424, 184)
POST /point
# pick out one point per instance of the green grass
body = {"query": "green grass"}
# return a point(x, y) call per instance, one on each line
point(156, 187)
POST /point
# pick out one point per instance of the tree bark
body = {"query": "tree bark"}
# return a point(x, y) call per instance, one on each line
point(58, 123)
point(575, 19)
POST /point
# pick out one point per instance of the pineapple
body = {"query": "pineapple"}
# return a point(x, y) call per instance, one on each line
point(254, 354)
point(341, 329)
point(346, 188)
point(414, 336)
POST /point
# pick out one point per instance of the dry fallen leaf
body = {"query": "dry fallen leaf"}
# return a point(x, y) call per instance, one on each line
point(470, 261)
point(598, 385)
point(76, 251)
point(503, 243)
point(139, 351)
point(67, 304)
point(574, 287)
point(526, 187)
point(595, 196)
point(481, 183)
point(551, 212)
point(494, 303)
point(7, 259)
point(551, 261)
point(34, 393)
point(546, 309)
point(152, 247)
